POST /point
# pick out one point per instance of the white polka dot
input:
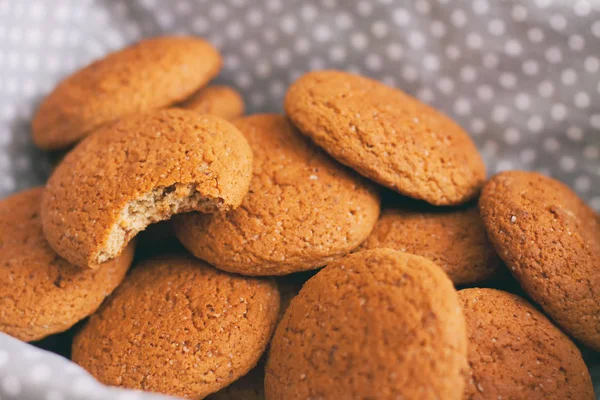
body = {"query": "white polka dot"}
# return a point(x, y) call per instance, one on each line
point(551, 145)
point(308, 12)
point(591, 64)
point(480, 6)
point(11, 385)
point(234, 30)
point(373, 62)
point(452, 52)
point(575, 133)
point(522, 101)
point(200, 24)
point(61, 12)
point(257, 99)
point(474, 41)
point(485, 92)
point(416, 39)
point(277, 89)
point(582, 184)
point(546, 89)
point(512, 136)
point(458, 18)
point(499, 114)
point(462, 106)
point(83, 386)
point(558, 112)
point(582, 8)
point(379, 29)
point(568, 76)
point(231, 61)
point(576, 42)
point(513, 47)
point(508, 80)
point(394, 51)
point(490, 148)
point(519, 13)
point(535, 35)
point(527, 156)
point(40, 372)
point(497, 27)
point(468, 73)
point(558, 22)
point(426, 95)
point(329, 3)
point(243, 80)
point(422, 7)
point(53, 395)
point(401, 17)
point(165, 19)
point(255, 17)
point(553, 55)
point(282, 57)
point(504, 165)
point(567, 163)
point(343, 20)
point(446, 85)
point(37, 11)
point(316, 64)
point(595, 121)
point(582, 100)
point(490, 60)
point(359, 41)
point(477, 126)
point(438, 28)
point(302, 45)
point(591, 152)
point(410, 73)
point(251, 48)
point(337, 54)
point(322, 33)
point(531, 67)
point(288, 24)
point(275, 5)
point(431, 62)
point(596, 29)
point(364, 8)
point(4, 357)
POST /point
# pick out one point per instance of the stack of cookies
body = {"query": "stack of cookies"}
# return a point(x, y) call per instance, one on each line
point(349, 249)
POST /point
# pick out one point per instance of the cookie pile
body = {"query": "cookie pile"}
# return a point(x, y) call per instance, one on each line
point(385, 195)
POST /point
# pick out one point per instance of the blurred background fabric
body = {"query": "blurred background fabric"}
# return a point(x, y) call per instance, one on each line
point(522, 77)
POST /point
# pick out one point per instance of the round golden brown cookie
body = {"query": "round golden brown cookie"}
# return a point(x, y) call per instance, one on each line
point(220, 100)
point(387, 136)
point(550, 240)
point(180, 327)
point(516, 353)
point(140, 170)
point(41, 293)
point(153, 73)
point(303, 209)
point(378, 323)
point(454, 239)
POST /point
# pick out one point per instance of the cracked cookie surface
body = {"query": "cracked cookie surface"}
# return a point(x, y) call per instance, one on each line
point(180, 327)
point(153, 73)
point(377, 323)
point(387, 136)
point(140, 170)
point(302, 210)
point(515, 352)
point(41, 293)
point(454, 239)
point(550, 240)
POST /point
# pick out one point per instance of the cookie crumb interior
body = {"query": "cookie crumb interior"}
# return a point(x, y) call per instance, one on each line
point(158, 205)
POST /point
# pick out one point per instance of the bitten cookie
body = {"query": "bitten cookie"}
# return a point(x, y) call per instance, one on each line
point(41, 293)
point(302, 210)
point(378, 323)
point(140, 170)
point(153, 73)
point(454, 239)
point(220, 100)
point(516, 353)
point(180, 327)
point(387, 136)
point(550, 240)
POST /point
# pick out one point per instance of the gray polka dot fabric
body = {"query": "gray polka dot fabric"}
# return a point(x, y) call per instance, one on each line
point(521, 76)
